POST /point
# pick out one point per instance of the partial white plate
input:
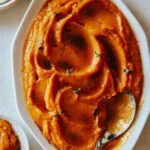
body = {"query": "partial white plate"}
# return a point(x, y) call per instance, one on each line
point(19, 132)
point(7, 4)
point(17, 46)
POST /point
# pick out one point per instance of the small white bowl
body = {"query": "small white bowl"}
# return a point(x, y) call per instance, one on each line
point(24, 145)
point(7, 4)
point(17, 47)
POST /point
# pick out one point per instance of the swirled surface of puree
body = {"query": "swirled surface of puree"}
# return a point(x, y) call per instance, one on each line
point(77, 56)
point(8, 139)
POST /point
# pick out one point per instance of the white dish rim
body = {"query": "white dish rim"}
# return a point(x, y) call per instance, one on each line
point(19, 132)
point(16, 63)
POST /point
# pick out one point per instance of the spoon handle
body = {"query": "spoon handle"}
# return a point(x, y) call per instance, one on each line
point(106, 138)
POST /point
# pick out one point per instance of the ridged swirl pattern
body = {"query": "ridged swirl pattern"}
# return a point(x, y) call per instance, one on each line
point(77, 56)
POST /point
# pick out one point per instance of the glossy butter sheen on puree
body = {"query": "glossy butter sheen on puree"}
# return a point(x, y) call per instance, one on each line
point(78, 55)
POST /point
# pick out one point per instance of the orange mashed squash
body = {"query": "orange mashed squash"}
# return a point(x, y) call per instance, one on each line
point(77, 56)
point(8, 139)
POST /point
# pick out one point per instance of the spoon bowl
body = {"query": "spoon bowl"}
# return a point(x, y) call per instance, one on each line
point(127, 105)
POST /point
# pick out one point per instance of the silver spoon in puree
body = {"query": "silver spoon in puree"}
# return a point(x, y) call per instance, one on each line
point(121, 113)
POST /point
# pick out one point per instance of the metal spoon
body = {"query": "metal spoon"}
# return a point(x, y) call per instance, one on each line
point(108, 136)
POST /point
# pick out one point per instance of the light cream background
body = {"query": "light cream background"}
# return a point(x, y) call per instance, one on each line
point(9, 21)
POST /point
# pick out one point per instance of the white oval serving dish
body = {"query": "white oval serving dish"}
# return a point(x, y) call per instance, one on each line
point(24, 145)
point(17, 47)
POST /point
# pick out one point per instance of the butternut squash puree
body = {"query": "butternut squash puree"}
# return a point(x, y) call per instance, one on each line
point(8, 139)
point(77, 56)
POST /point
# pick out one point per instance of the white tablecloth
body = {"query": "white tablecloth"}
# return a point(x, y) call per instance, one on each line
point(9, 21)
